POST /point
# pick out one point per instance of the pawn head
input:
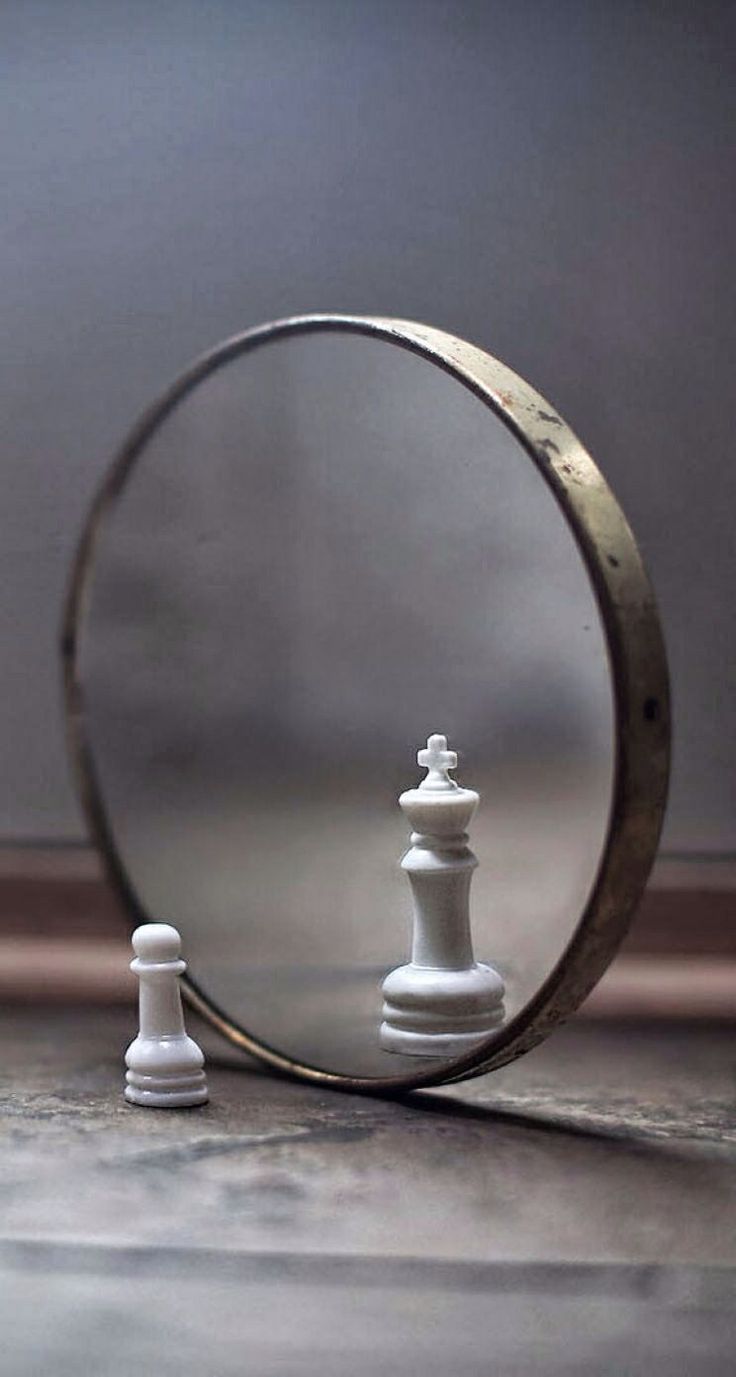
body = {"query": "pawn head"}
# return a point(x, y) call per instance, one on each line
point(156, 942)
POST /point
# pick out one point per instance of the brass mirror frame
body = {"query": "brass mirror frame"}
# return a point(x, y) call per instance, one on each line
point(637, 661)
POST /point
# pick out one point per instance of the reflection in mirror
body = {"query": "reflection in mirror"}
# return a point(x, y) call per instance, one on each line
point(330, 551)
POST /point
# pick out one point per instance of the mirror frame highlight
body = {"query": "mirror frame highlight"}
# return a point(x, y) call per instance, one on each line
point(637, 663)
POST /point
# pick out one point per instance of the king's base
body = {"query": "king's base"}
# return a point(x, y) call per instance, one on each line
point(440, 1013)
point(166, 1092)
point(410, 1044)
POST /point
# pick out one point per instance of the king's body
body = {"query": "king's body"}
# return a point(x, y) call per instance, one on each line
point(443, 1002)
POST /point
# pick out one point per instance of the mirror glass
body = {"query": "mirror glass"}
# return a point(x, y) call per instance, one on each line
point(330, 550)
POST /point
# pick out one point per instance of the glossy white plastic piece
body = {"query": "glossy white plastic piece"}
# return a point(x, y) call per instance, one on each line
point(165, 1066)
point(443, 1002)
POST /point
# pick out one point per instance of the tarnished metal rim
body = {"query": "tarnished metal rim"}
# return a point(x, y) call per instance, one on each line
point(637, 662)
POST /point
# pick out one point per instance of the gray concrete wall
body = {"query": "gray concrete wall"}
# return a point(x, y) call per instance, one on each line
point(551, 180)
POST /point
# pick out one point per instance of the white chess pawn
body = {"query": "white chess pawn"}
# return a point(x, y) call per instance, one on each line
point(164, 1064)
point(443, 1002)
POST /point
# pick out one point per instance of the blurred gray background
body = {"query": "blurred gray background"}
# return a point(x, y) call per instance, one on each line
point(551, 180)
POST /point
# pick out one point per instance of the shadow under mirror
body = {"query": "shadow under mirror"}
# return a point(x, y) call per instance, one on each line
point(329, 551)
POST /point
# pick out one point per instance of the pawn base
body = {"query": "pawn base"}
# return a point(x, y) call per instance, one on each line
point(166, 1092)
point(440, 1013)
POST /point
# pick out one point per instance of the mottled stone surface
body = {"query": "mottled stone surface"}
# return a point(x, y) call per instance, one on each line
point(573, 1213)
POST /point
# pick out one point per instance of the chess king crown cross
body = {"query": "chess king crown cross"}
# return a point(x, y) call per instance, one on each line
point(438, 807)
point(437, 760)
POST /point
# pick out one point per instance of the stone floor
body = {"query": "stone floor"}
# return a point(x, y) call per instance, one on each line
point(573, 1213)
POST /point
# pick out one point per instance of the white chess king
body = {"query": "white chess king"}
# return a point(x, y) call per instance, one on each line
point(443, 1002)
point(165, 1066)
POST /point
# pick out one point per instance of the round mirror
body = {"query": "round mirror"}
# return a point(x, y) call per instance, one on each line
point(332, 544)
